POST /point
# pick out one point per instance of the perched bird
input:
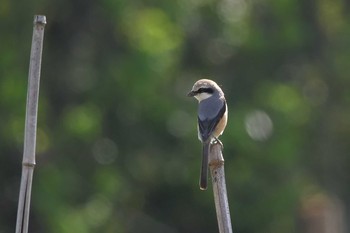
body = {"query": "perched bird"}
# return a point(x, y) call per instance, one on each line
point(212, 119)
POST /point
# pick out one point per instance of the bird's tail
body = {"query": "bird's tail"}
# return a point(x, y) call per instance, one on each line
point(203, 180)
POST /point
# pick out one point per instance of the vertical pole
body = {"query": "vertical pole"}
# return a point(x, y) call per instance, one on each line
point(216, 166)
point(28, 162)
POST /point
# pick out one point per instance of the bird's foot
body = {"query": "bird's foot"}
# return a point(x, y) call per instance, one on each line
point(217, 141)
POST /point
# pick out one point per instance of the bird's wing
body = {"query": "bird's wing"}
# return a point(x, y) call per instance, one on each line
point(206, 125)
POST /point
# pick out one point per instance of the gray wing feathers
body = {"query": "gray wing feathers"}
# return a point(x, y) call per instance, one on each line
point(210, 108)
point(210, 112)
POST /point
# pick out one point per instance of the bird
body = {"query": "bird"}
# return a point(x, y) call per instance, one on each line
point(212, 119)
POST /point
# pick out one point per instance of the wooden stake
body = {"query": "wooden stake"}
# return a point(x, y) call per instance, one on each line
point(30, 125)
point(216, 166)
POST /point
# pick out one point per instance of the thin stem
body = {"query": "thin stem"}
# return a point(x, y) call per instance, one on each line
point(27, 202)
point(21, 201)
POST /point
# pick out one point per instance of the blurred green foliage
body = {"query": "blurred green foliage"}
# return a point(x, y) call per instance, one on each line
point(117, 147)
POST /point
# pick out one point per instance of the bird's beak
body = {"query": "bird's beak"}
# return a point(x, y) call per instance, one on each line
point(191, 93)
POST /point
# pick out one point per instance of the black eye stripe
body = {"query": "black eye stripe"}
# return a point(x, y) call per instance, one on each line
point(205, 90)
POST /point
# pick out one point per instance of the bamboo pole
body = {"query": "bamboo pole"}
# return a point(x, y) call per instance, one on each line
point(28, 162)
point(216, 166)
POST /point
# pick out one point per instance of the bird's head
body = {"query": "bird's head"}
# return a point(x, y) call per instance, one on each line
point(204, 88)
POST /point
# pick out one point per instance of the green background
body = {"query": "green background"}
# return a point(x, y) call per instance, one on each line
point(117, 147)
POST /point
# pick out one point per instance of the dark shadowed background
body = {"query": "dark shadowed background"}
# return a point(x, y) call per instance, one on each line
point(117, 147)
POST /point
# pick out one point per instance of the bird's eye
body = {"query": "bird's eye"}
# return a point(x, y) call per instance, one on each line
point(205, 90)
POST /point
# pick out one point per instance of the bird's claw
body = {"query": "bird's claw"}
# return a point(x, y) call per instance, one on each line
point(217, 141)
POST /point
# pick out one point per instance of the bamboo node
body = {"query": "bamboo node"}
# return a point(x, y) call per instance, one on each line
point(26, 164)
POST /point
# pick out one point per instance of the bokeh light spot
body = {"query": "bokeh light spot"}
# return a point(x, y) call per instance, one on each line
point(98, 210)
point(258, 125)
point(232, 10)
point(105, 151)
point(218, 51)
